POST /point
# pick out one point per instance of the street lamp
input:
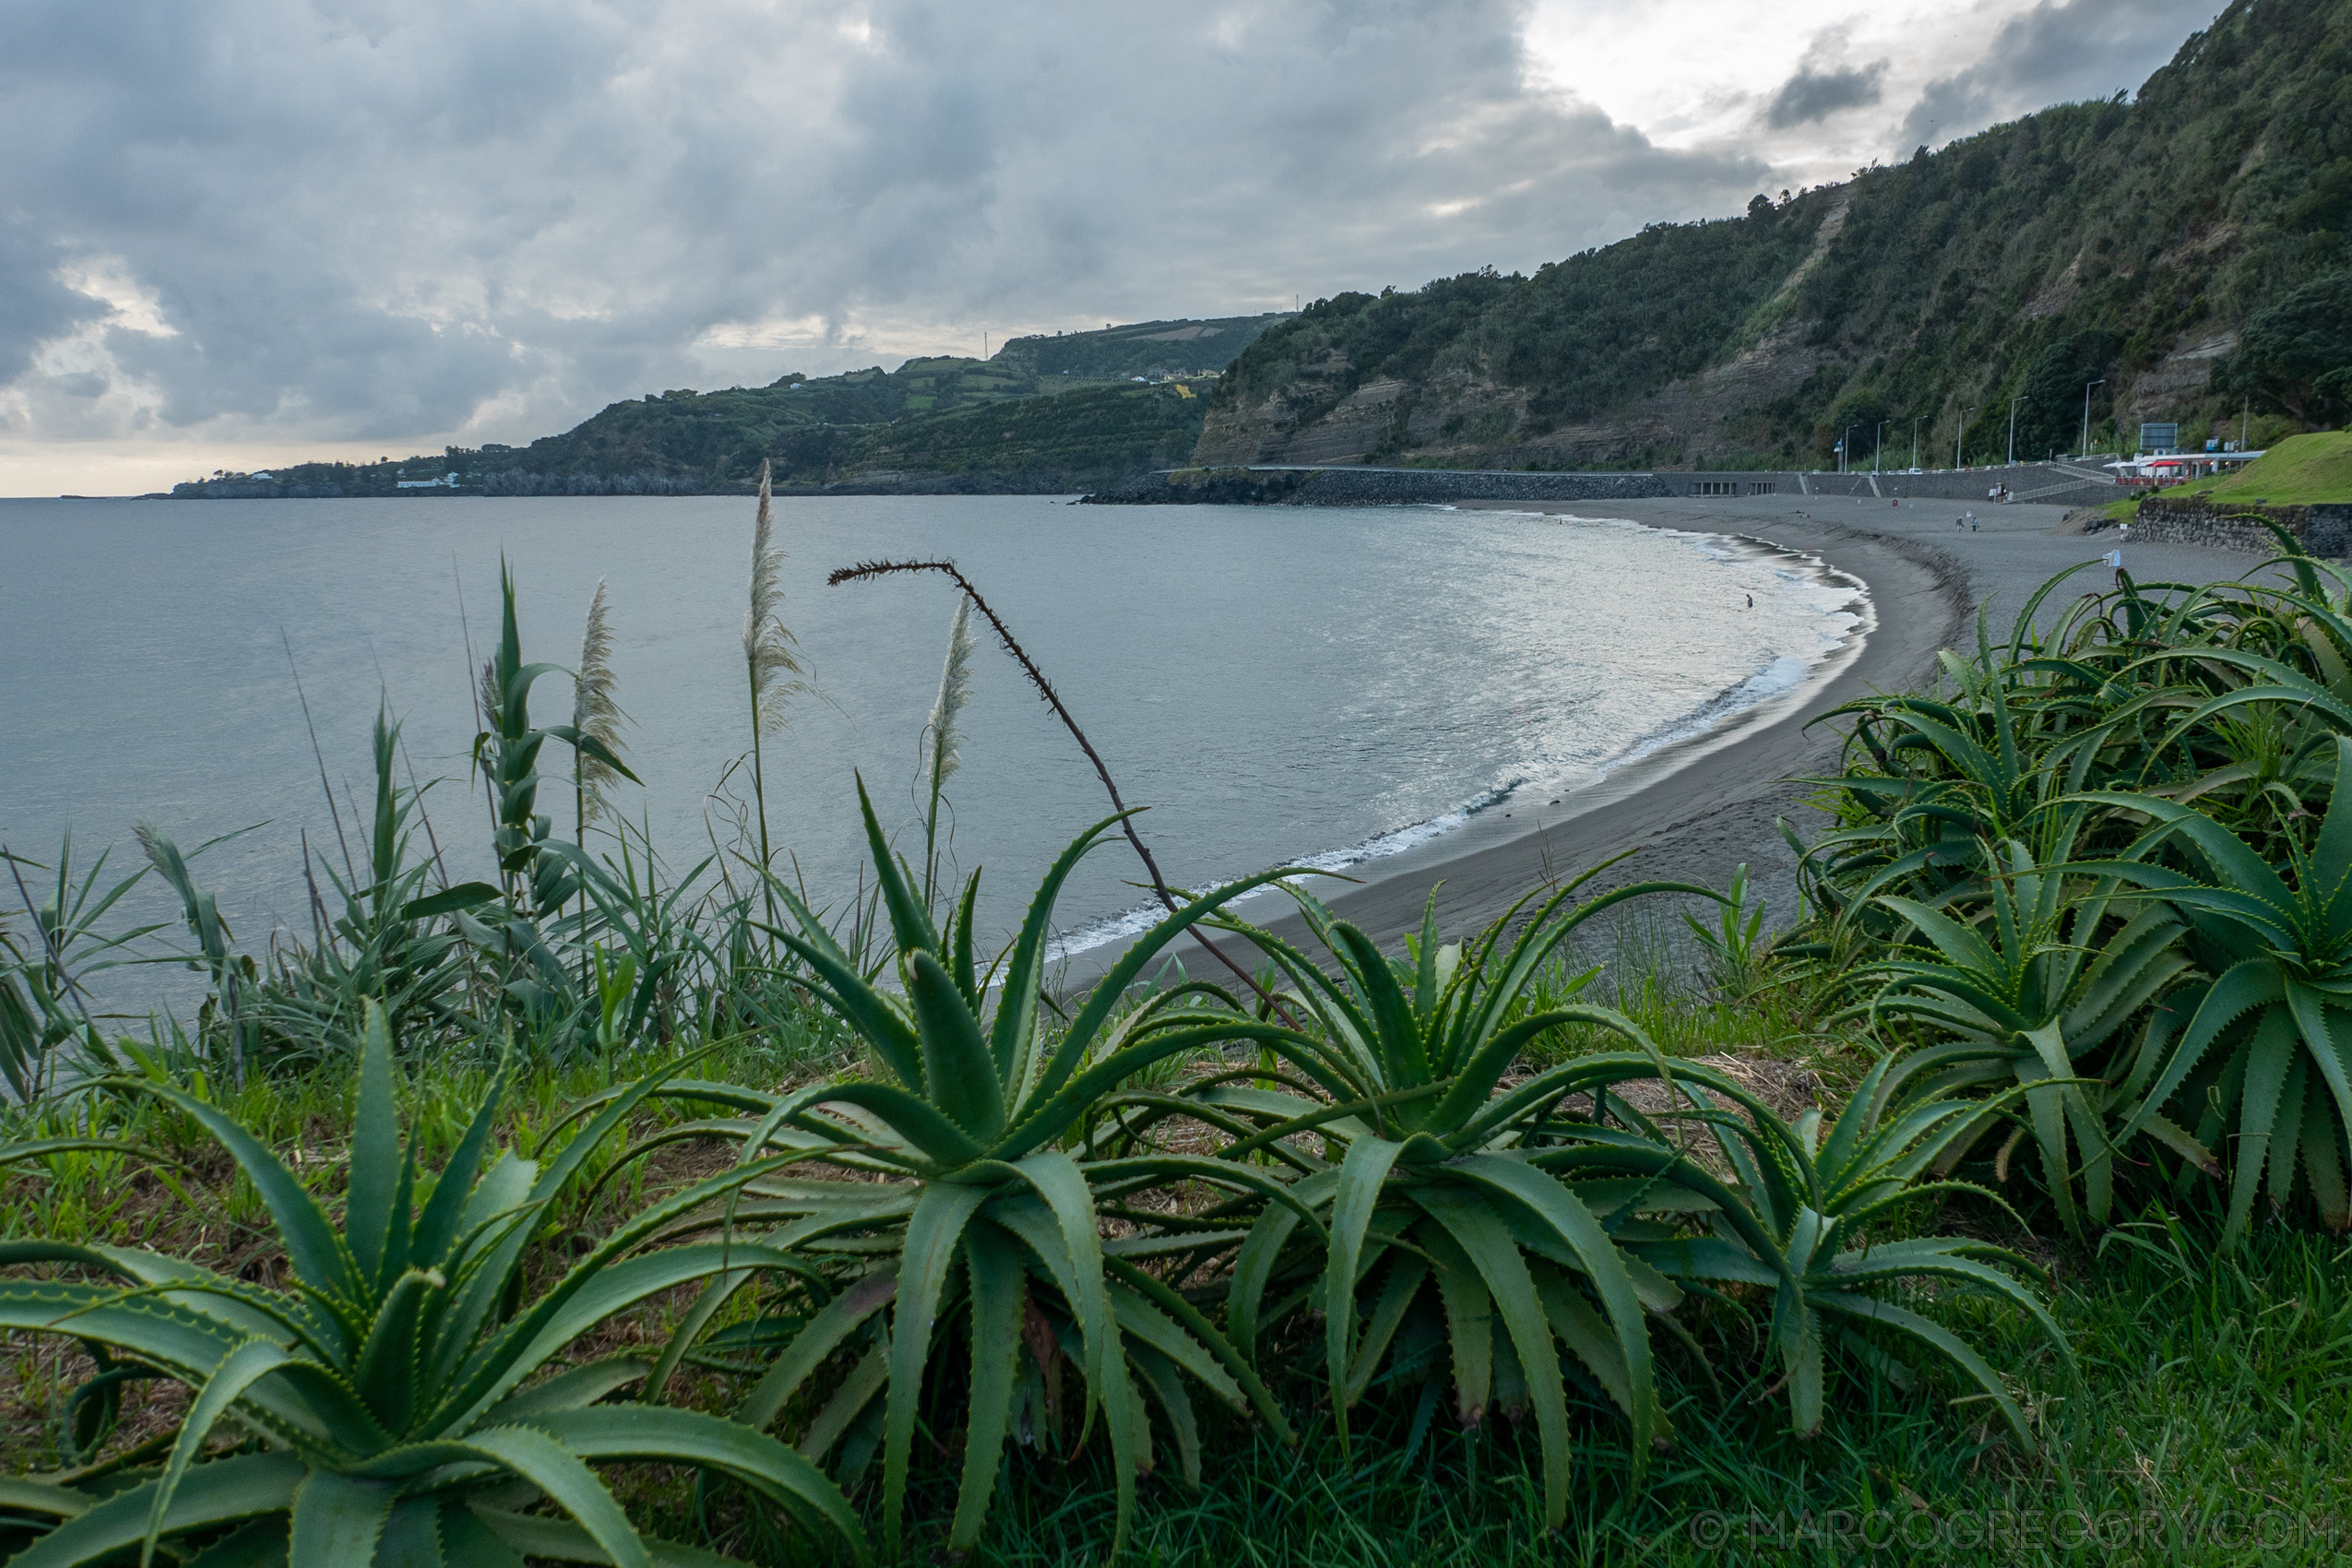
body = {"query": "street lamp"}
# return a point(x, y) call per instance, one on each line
point(1878, 441)
point(1959, 436)
point(1915, 439)
point(1846, 450)
point(2020, 398)
point(2086, 414)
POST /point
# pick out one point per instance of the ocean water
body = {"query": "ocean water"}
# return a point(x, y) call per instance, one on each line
point(1279, 685)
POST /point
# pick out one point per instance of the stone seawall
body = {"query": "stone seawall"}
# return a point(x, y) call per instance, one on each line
point(2324, 530)
point(1369, 487)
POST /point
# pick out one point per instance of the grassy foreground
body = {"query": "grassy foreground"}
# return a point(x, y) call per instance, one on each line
point(2211, 1423)
point(2210, 1428)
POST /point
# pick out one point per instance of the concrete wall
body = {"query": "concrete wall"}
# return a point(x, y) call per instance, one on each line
point(2062, 484)
point(1370, 487)
point(1350, 485)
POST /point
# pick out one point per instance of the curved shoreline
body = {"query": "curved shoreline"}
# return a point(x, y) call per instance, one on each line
point(1500, 815)
point(1694, 809)
point(1695, 805)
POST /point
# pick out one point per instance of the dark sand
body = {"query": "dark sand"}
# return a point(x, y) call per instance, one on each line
point(1696, 810)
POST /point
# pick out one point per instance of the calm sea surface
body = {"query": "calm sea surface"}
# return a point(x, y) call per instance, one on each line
point(1277, 683)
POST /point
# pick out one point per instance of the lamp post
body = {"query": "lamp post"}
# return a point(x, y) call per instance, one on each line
point(2086, 414)
point(1915, 439)
point(1959, 436)
point(1878, 443)
point(1846, 451)
point(2020, 398)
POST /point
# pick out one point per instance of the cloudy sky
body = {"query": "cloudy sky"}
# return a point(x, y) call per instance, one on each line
point(237, 231)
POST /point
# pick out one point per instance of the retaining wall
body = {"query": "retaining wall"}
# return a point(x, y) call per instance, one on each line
point(1347, 485)
point(2048, 483)
point(1370, 487)
point(2324, 530)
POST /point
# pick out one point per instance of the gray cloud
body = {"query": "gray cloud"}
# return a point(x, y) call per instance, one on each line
point(2061, 51)
point(34, 307)
point(379, 221)
point(1815, 93)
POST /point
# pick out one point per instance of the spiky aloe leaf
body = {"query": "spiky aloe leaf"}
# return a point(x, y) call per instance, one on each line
point(375, 1156)
point(997, 1283)
point(1362, 1182)
point(1491, 1249)
point(215, 1494)
point(935, 1238)
point(337, 1520)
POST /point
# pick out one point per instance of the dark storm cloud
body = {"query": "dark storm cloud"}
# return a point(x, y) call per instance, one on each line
point(1815, 93)
point(2061, 51)
point(365, 218)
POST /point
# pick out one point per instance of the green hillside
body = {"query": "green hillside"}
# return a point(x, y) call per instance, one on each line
point(2188, 248)
point(2298, 472)
point(824, 430)
point(1150, 349)
point(1094, 429)
point(1053, 409)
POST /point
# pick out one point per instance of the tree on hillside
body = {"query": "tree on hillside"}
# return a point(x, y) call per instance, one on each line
point(2050, 420)
point(2295, 356)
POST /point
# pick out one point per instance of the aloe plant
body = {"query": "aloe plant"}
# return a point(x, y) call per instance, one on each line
point(2228, 695)
point(508, 749)
point(1434, 1207)
point(1794, 1216)
point(2259, 1058)
point(45, 1018)
point(989, 1224)
point(537, 882)
point(387, 943)
point(1738, 953)
point(2034, 988)
point(401, 1398)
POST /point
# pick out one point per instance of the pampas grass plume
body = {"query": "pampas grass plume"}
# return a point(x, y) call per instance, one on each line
point(943, 751)
point(594, 713)
point(942, 740)
point(768, 645)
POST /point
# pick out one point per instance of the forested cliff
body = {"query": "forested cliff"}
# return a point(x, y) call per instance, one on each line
point(2187, 247)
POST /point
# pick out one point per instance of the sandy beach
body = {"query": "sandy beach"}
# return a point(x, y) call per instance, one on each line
point(1697, 809)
